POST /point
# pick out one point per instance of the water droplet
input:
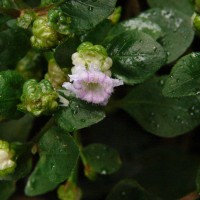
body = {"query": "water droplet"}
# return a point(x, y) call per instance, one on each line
point(83, 120)
point(198, 92)
point(104, 172)
point(168, 53)
point(123, 193)
point(152, 114)
point(90, 8)
point(191, 113)
point(157, 125)
point(154, 49)
point(161, 82)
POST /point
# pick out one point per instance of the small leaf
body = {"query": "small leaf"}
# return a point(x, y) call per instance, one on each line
point(14, 43)
point(136, 56)
point(162, 116)
point(98, 33)
point(58, 157)
point(184, 79)
point(7, 188)
point(177, 30)
point(184, 6)
point(101, 158)
point(129, 189)
point(64, 51)
point(135, 24)
point(13, 130)
point(86, 15)
point(10, 91)
point(78, 115)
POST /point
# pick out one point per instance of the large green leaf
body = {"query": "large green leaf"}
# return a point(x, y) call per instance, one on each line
point(184, 79)
point(101, 158)
point(184, 6)
point(10, 91)
point(129, 189)
point(177, 29)
point(135, 24)
point(14, 43)
point(162, 116)
point(98, 33)
point(7, 188)
point(86, 15)
point(78, 115)
point(58, 157)
point(136, 56)
point(64, 51)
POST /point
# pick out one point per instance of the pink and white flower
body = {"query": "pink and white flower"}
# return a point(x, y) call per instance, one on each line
point(91, 85)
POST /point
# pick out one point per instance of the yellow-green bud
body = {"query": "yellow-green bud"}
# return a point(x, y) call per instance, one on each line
point(29, 66)
point(44, 37)
point(196, 23)
point(7, 165)
point(115, 16)
point(69, 191)
point(26, 18)
point(92, 56)
point(38, 98)
point(56, 75)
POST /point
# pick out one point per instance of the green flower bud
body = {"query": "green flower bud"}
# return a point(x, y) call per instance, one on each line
point(38, 98)
point(7, 165)
point(56, 75)
point(115, 16)
point(44, 37)
point(69, 191)
point(29, 66)
point(96, 55)
point(197, 6)
point(59, 21)
point(26, 18)
point(196, 23)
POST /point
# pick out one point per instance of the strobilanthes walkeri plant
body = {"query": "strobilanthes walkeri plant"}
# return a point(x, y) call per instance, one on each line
point(96, 98)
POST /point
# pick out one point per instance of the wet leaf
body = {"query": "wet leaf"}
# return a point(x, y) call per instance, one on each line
point(136, 56)
point(184, 79)
point(177, 30)
point(101, 158)
point(58, 157)
point(162, 116)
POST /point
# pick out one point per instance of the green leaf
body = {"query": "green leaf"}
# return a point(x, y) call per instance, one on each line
point(14, 43)
point(184, 6)
point(13, 130)
point(64, 51)
point(162, 116)
point(86, 15)
point(7, 188)
point(101, 158)
point(58, 157)
point(184, 79)
point(129, 189)
point(177, 29)
point(78, 115)
point(136, 56)
point(98, 34)
point(135, 24)
point(10, 91)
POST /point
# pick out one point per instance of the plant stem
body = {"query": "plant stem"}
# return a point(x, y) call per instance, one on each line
point(191, 196)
